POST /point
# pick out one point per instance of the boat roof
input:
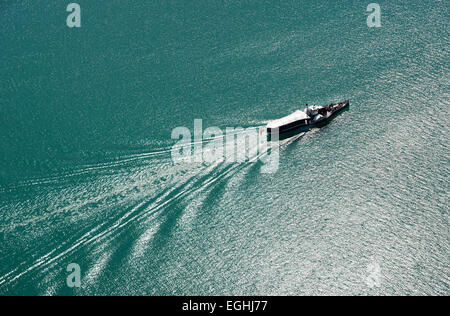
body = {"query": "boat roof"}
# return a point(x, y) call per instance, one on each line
point(294, 117)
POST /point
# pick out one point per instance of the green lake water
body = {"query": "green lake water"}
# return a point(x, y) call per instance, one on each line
point(86, 174)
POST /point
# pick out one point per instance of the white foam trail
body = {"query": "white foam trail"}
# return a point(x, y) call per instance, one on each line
point(136, 214)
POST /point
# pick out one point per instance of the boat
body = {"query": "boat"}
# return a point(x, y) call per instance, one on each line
point(303, 120)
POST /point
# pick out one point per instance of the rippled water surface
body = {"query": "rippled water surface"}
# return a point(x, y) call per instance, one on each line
point(86, 176)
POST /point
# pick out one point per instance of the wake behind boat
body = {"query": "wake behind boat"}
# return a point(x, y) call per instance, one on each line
point(301, 121)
